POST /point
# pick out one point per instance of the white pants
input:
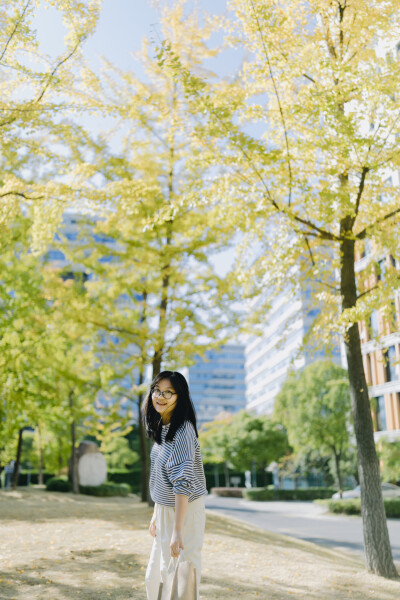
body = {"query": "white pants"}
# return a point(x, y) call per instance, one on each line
point(193, 535)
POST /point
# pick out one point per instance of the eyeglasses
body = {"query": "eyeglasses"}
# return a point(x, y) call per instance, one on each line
point(166, 395)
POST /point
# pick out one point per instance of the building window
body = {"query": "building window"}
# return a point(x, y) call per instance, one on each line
point(373, 323)
point(381, 271)
point(390, 364)
point(380, 413)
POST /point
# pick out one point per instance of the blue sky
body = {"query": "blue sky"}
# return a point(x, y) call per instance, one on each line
point(122, 25)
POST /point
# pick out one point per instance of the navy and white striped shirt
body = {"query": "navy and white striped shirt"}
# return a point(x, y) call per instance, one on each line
point(177, 467)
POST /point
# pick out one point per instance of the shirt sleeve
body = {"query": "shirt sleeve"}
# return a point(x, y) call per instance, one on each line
point(180, 465)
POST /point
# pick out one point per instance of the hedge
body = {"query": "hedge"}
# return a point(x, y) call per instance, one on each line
point(23, 477)
point(269, 494)
point(352, 506)
point(106, 489)
point(132, 478)
point(58, 484)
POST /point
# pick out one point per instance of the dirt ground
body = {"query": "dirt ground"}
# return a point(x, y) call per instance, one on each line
point(56, 546)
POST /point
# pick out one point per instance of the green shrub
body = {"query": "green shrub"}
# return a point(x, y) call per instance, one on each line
point(352, 506)
point(227, 492)
point(106, 489)
point(269, 493)
point(58, 484)
point(392, 507)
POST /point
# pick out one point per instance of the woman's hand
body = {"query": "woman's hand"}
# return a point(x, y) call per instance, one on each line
point(152, 527)
point(176, 542)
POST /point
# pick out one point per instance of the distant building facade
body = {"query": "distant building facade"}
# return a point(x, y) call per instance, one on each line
point(270, 356)
point(381, 361)
point(217, 382)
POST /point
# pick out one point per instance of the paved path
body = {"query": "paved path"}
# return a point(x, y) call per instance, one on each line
point(303, 520)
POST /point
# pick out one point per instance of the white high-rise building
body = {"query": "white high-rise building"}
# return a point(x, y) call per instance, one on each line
point(269, 357)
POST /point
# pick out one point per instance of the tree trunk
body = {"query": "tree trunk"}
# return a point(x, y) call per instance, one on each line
point(265, 474)
point(144, 475)
point(40, 457)
point(337, 456)
point(59, 456)
point(17, 461)
point(378, 552)
point(74, 466)
point(216, 476)
point(162, 325)
point(226, 471)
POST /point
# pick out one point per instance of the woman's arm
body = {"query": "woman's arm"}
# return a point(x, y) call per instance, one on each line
point(181, 504)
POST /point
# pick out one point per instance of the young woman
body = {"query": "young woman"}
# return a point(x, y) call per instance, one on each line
point(177, 481)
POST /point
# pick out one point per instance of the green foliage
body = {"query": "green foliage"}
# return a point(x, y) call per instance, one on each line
point(314, 406)
point(106, 489)
point(55, 449)
point(214, 441)
point(118, 453)
point(58, 484)
point(389, 455)
point(269, 493)
point(243, 439)
point(255, 438)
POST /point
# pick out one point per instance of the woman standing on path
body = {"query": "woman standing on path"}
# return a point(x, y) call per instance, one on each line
point(177, 481)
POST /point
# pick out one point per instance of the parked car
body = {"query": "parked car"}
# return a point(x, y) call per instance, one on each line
point(388, 491)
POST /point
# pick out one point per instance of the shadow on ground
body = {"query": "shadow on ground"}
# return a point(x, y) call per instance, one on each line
point(88, 575)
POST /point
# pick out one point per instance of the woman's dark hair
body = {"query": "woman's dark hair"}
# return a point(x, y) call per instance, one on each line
point(183, 411)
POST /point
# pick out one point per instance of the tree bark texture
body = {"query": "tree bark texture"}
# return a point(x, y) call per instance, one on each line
point(17, 461)
point(377, 548)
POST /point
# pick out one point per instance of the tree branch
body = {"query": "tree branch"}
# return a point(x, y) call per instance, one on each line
point(279, 102)
point(15, 29)
point(21, 194)
point(362, 234)
point(364, 172)
point(55, 69)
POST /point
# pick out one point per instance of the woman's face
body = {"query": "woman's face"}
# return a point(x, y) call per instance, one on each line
point(164, 399)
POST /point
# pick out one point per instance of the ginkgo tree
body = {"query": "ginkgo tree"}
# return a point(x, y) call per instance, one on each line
point(320, 87)
point(34, 90)
point(153, 289)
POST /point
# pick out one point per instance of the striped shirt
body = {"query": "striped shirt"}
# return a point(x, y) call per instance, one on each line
point(177, 467)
